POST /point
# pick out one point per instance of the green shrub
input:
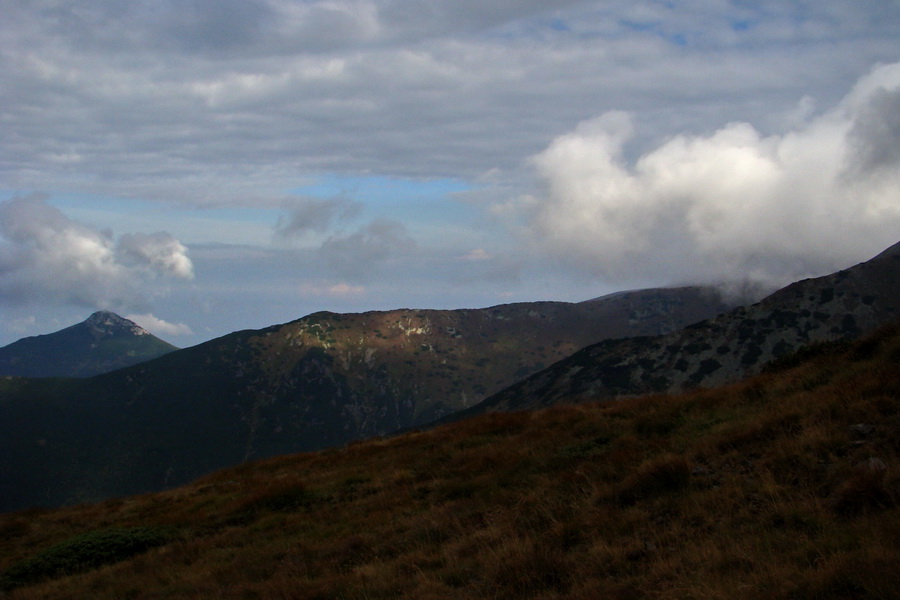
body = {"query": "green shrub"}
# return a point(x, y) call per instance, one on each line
point(82, 553)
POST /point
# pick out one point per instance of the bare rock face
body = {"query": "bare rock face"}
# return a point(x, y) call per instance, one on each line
point(104, 324)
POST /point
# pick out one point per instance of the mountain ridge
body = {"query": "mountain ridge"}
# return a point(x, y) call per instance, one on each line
point(101, 343)
point(782, 486)
point(725, 348)
point(328, 379)
point(323, 380)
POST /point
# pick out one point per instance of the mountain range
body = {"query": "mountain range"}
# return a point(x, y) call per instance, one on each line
point(102, 343)
point(782, 486)
point(321, 381)
point(725, 348)
point(328, 379)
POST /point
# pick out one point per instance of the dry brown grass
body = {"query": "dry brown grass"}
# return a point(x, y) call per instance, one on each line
point(759, 490)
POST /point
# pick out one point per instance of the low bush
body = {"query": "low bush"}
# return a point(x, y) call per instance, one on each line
point(82, 553)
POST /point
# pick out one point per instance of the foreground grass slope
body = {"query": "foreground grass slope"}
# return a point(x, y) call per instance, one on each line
point(783, 486)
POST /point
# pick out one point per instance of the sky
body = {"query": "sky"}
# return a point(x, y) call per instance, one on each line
point(207, 166)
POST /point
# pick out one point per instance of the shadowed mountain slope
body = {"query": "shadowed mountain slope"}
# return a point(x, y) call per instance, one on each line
point(102, 343)
point(844, 305)
point(320, 381)
point(781, 487)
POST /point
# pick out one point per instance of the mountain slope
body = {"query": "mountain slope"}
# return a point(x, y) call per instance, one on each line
point(433, 362)
point(733, 345)
point(781, 487)
point(323, 380)
point(102, 343)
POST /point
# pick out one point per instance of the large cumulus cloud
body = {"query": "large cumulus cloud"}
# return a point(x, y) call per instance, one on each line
point(733, 204)
point(44, 255)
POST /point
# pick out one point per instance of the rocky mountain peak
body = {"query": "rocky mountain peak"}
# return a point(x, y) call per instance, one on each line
point(101, 343)
point(106, 323)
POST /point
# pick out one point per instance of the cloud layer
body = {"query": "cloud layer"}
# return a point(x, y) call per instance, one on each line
point(314, 215)
point(45, 256)
point(200, 118)
point(160, 327)
point(356, 256)
point(733, 204)
point(211, 102)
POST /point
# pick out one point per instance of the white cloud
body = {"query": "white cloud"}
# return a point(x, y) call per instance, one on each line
point(44, 255)
point(233, 102)
point(730, 205)
point(476, 254)
point(358, 255)
point(310, 288)
point(345, 289)
point(22, 325)
point(159, 327)
point(314, 215)
point(159, 251)
point(233, 105)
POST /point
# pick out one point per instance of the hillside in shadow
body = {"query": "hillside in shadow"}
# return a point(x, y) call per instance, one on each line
point(781, 486)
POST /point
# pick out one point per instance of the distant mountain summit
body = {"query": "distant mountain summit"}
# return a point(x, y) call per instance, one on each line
point(106, 323)
point(102, 343)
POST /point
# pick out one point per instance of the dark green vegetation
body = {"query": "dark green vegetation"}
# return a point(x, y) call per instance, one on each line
point(783, 486)
point(320, 381)
point(104, 342)
point(83, 552)
point(735, 344)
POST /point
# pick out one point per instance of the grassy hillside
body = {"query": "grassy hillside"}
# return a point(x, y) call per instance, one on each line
point(782, 486)
point(318, 382)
